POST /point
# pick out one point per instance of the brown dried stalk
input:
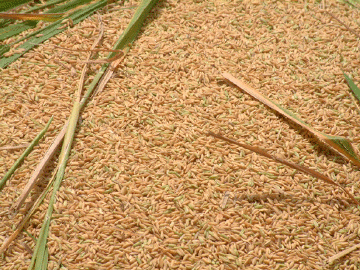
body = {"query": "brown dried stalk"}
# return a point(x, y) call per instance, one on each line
point(56, 143)
point(343, 253)
point(14, 147)
point(338, 144)
point(347, 27)
point(38, 170)
point(87, 50)
point(120, 56)
point(285, 162)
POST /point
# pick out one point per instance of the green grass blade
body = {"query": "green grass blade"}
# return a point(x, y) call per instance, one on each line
point(40, 249)
point(15, 29)
point(7, 30)
point(135, 25)
point(4, 49)
point(24, 155)
point(70, 5)
point(38, 258)
point(51, 30)
point(9, 4)
point(44, 265)
point(47, 4)
point(129, 35)
point(353, 87)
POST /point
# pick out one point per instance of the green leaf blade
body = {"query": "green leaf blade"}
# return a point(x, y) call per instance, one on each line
point(24, 155)
point(129, 35)
point(50, 31)
point(353, 87)
point(10, 4)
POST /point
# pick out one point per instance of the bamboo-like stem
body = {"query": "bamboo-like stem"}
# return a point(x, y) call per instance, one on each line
point(40, 256)
point(39, 259)
point(40, 249)
point(56, 143)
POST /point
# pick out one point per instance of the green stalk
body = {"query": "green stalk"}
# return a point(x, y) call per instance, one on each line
point(353, 87)
point(134, 26)
point(40, 252)
point(24, 155)
point(40, 255)
point(10, 4)
point(49, 31)
point(8, 29)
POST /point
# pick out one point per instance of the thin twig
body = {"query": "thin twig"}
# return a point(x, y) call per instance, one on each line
point(86, 50)
point(104, 61)
point(348, 28)
point(83, 73)
point(24, 221)
point(338, 144)
point(343, 253)
point(109, 72)
point(285, 162)
point(14, 147)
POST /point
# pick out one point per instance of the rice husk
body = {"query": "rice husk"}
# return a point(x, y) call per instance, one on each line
point(144, 187)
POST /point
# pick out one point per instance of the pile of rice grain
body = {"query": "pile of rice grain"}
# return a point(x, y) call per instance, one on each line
point(144, 185)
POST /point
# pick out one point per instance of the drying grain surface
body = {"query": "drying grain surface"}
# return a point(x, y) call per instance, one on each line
point(145, 188)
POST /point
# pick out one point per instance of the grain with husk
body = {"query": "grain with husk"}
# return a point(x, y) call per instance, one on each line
point(144, 184)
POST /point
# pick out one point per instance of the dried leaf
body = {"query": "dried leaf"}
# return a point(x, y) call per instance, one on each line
point(51, 17)
point(340, 145)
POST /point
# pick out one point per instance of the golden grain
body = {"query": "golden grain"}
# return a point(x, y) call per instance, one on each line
point(145, 184)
